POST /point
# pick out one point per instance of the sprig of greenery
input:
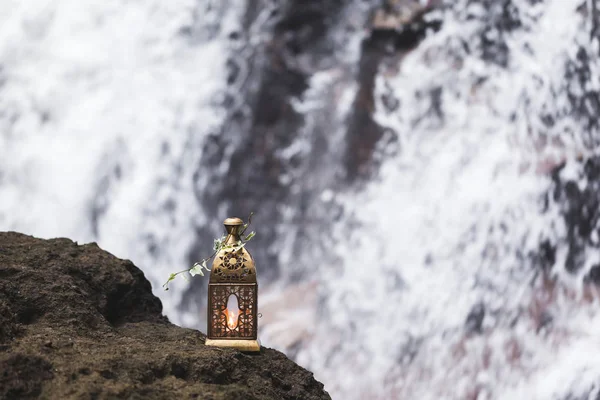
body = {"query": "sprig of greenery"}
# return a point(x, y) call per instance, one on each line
point(218, 245)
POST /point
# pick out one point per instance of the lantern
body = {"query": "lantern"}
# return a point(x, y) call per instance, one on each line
point(232, 295)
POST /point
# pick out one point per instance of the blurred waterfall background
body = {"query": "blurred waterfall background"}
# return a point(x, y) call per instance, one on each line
point(424, 174)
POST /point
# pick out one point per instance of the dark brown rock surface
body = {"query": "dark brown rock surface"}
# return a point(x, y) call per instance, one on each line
point(78, 323)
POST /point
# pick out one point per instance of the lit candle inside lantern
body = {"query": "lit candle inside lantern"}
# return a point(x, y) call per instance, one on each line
point(232, 318)
point(232, 312)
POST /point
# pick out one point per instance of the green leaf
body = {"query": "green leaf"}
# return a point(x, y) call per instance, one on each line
point(250, 235)
point(218, 243)
point(196, 270)
point(166, 284)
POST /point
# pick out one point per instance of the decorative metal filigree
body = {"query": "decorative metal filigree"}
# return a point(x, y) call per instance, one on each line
point(233, 266)
point(246, 321)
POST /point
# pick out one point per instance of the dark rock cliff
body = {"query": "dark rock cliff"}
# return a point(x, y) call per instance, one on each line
point(78, 323)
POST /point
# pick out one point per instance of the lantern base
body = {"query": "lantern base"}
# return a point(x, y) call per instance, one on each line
point(239, 344)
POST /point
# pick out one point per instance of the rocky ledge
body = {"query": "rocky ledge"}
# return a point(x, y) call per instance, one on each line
point(78, 323)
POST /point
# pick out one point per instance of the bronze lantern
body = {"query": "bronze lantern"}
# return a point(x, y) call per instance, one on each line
point(232, 295)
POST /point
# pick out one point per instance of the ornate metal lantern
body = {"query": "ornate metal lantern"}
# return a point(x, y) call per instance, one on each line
point(232, 295)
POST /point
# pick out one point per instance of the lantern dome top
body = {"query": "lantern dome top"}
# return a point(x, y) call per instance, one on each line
point(233, 263)
point(233, 221)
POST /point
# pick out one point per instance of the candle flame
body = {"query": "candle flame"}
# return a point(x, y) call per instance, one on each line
point(232, 318)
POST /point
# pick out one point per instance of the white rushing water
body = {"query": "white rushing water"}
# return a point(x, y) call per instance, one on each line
point(104, 107)
point(446, 226)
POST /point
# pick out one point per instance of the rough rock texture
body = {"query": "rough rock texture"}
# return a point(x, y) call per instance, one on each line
point(79, 323)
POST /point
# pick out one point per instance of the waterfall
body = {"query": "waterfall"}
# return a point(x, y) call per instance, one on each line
point(424, 173)
point(456, 275)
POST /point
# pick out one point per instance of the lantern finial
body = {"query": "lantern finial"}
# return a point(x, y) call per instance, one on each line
point(233, 221)
point(232, 226)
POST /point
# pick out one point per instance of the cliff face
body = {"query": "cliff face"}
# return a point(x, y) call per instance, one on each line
point(77, 322)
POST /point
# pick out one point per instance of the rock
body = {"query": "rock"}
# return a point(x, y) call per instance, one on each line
point(474, 322)
point(397, 14)
point(77, 322)
point(580, 209)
